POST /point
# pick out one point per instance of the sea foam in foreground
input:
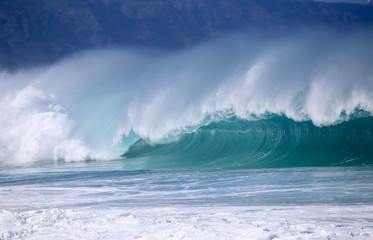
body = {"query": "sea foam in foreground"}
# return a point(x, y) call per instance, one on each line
point(103, 201)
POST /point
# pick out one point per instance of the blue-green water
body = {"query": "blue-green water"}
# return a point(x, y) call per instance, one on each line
point(110, 185)
point(267, 143)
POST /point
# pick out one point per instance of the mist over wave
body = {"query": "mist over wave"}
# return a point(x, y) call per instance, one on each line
point(95, 104)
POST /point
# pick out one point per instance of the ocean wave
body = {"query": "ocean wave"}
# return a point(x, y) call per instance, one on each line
point(96, 104)
point(274, 142)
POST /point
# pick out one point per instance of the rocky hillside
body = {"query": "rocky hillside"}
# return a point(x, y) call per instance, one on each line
point(39, 31)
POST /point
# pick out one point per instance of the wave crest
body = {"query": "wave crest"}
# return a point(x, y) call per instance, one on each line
point(97, 103)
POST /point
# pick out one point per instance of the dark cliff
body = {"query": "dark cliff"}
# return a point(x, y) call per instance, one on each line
point(38, 31)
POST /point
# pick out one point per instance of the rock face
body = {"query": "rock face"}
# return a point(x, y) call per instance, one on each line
point(38, 31)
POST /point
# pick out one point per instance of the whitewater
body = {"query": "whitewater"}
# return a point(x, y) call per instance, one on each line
point(102, 200)
point(236, 138)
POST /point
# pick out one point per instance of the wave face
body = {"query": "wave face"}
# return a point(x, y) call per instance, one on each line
point(273, 142)
point(198, 103)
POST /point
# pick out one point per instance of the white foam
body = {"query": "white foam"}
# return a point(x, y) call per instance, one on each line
point(31, 123)
point(310, 222)
point(34, 127)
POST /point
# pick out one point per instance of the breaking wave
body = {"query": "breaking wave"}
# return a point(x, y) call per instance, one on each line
point(274, 142)
point(302, 99)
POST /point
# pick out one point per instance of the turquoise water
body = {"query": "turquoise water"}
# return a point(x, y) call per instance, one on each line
point(110, 185)
point(267, 143)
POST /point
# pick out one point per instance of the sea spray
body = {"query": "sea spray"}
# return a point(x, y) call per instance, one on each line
point(96, 104)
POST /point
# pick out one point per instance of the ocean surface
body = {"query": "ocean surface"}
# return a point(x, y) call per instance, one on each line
point(233, 179)
point(237, 138)
point(103, 200)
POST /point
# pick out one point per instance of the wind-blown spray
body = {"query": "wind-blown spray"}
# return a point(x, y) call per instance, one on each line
point(95, 104)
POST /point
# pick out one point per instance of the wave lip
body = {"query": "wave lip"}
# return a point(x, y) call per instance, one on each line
point(274, 142)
